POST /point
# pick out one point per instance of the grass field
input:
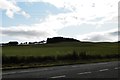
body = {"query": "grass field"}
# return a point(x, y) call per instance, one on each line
point(27, 56)
point(60, 49)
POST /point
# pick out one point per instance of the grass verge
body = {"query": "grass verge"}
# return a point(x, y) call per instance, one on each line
point(20, 62)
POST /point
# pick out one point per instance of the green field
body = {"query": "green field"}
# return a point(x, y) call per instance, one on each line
point(60, 49)
point(65, 53)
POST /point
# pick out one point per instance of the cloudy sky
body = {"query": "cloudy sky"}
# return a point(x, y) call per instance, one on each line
point(35, 20)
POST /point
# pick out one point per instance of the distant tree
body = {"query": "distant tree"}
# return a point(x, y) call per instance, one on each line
point(42, 41)
point(30, 43)
point(61, 39)
point(12, 43)
point(25, 42)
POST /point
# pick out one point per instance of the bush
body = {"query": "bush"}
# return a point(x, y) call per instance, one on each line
point(45, 59)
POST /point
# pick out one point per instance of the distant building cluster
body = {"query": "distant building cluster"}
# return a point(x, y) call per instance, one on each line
point(32, 43)
point(15, 43)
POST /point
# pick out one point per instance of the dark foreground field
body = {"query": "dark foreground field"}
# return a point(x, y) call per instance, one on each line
point(58, 54)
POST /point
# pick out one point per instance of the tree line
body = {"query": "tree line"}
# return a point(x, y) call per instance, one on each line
point(61, 39)
point(49, 40)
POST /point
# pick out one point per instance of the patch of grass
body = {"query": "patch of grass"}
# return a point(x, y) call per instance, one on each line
point(60, 49)
point(73, 57)
point(58, 54)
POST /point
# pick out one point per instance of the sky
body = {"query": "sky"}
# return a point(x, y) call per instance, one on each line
point(36, 20)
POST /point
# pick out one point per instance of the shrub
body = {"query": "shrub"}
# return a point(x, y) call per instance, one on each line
point(45, 59)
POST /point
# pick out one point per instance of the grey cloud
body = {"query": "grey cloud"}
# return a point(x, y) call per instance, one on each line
point(115, 33)
point(23, 33)
point(108, 36)
point(98, 38)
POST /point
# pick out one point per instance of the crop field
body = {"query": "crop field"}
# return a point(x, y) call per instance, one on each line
point(61, 49)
